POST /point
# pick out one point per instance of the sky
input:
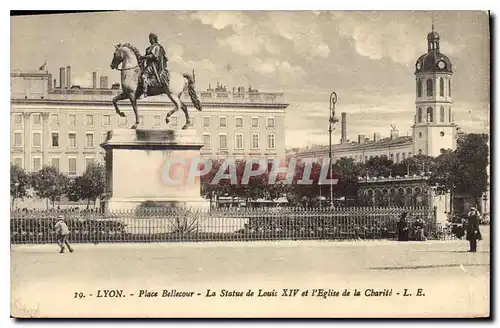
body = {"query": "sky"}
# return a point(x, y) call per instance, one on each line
point(367, 58)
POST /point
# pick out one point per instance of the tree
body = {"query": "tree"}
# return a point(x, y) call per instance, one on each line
point(347, 171)
point(48, 183)
point(379, 166)
point(90, 185)
point(418, 164)
point(19, 183)
point(464, 170)
point(472, 160)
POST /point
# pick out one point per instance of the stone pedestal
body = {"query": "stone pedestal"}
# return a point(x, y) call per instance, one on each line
point(150, 168)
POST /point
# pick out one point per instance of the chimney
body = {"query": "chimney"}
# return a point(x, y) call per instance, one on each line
point(361, 138)
point(376, 137)
point(94, 80)
point(62, 78)
point(104, 82)
point(68, 77)
point(49, 82)
point(394, 134)
point(344, 128)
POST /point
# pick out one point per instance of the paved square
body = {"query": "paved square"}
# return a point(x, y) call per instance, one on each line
point(453, 282)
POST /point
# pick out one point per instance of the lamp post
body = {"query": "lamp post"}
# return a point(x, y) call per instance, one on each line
point(332, 121)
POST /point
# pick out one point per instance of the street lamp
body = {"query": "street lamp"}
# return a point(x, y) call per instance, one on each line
point(332, 121)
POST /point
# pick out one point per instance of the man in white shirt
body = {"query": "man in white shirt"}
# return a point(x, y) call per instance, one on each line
point(62, 231)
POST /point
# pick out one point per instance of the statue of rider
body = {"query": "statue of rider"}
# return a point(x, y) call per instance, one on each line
point(155, 65)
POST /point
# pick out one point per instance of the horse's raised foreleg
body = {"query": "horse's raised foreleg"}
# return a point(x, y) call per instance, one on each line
point(121, 96)
point(133, 100)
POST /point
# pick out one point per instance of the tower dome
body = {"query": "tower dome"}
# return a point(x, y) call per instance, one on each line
point(433, 60)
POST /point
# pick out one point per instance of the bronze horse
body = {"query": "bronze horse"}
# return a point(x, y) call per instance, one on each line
point(131, 70)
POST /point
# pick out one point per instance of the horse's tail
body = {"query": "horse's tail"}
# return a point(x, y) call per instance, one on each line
point(192, 93)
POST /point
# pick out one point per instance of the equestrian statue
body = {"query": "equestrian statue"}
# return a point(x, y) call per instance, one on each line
point(144, 76)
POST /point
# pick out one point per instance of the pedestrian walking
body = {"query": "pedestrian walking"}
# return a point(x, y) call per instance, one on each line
point(473, 233)
point(62, 232)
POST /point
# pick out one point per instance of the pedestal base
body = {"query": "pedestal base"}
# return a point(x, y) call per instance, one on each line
point(152, 169)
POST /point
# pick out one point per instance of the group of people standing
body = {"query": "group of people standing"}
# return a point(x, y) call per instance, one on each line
point(469, 225)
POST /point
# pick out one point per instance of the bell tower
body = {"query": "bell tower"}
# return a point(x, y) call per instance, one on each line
point(434, 129)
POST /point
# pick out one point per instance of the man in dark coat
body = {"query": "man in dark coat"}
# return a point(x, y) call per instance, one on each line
point(473, 233)
point(403, 228)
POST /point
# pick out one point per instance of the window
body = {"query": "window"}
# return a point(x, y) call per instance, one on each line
point(37, 163)
point(222, 141)
point(206, 140)
point(419, 88)
point(449, 87)
point(104, 137)
point(37, 119)
point(37, 136)
point(419, 115)
point(18, 139)
point(89, 119)
point(430, 115)
point(173, 121)
point(206, 121)
point(54, 119)
point(239, 122)
point(122, 121)
point(392, 157)
point(18, 119)
point(255, 141)
point(72, 140)
point(255, 122)
point(397, 158)
point(430, 87)
point(420, 134)
point(55, 162)
point(441, 114)
point(238, 144)
point(72, 119)
point(222, 121)
point(156, 121)
point(271, 141)
point(72, 165)
point(441, 134)
point(106, 120)
point(420, 151)
point(441, 87)
point(88, 160)
point(55, 139)
point(18, 162)
point(404, 156)
point(270, 122)
point(89, 140)
point(449, 114)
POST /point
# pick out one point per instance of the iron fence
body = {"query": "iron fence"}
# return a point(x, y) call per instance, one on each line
point(224, 224)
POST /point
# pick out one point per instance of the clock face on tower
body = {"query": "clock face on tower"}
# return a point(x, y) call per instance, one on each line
point(418, 65)
point(441, 64)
